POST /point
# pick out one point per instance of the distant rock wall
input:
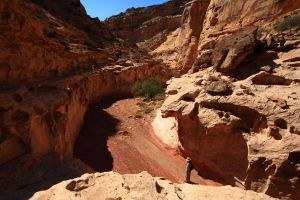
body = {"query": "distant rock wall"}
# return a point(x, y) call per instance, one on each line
point(140, 24)
point(202, 24)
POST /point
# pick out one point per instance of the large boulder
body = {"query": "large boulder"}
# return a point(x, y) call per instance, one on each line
point(231, 50)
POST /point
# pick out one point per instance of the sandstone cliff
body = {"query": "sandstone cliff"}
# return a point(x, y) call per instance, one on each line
point(239, 119)
point(54, 62)
point(140, 24)
point(202, 23)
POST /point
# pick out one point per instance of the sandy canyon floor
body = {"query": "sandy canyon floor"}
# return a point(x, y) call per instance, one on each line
point(112, 139)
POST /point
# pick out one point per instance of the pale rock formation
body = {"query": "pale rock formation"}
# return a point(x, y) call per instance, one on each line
point(180, 48)
point(243, 133)
point(166, 126)
point(111, 185)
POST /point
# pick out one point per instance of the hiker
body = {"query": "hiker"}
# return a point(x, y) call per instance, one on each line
point(188, 169)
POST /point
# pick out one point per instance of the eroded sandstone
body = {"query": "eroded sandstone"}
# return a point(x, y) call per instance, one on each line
point(110, 185)
point(230, 136)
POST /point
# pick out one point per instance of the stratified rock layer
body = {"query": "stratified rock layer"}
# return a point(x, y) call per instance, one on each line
point(140, 24)
point(140, 186)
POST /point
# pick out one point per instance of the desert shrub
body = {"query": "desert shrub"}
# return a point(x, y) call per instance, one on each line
point(288, 23)
point(150, 88)
point(107, 37)
point(261, 31)
point(144, 107)
point(138, 114)
point(159, 97)
point(295, 20)
point(174, 74)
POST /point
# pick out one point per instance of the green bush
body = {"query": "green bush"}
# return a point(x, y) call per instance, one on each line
point(288, 23)
point(144, 107)
point(138, 114)
point(150, 88)
point(261, 31)
point(174, 74)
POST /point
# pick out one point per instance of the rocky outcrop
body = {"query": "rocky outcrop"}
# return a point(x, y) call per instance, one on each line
point(241, 132)
point(180, 48)
point(231, 50)
point(225, 19)
point(111, 185)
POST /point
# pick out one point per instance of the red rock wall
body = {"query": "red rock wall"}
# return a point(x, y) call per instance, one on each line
point(52, 58)
point(47, 116)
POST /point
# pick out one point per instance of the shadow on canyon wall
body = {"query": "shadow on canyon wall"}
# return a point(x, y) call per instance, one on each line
point(90, 146)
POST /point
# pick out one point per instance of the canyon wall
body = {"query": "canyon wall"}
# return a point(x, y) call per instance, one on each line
point(236, 113)
point(140, 24)
point(202, 23)
point(52, 67)
point(47, 116)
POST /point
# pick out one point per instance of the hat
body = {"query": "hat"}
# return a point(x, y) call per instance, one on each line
point(188, 159)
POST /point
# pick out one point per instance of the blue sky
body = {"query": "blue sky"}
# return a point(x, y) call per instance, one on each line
point(106, 8)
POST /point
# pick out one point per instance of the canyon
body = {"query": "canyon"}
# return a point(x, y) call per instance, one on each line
point(232, 104)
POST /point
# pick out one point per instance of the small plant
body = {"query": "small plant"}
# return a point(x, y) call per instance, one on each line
point(174, 74)
point(288, 23)
point(144, 107)
point(150, 88)
point(261, 31)
point(107, 37)
point(159, 97)
point(138, 114)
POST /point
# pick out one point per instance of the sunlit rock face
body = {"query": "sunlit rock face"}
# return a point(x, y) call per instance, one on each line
point(138, 186)
point(202, 23)
point(244, 133)
point(140, 24)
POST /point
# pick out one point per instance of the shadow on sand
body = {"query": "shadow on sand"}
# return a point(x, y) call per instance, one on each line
point(90, 146)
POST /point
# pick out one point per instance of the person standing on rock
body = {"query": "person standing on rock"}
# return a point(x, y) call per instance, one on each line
point(188, 169)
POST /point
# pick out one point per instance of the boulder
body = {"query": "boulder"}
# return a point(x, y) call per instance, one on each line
point(231, 50)
point(218, 87)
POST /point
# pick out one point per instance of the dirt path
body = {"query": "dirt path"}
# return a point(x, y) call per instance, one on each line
point(112, 139)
